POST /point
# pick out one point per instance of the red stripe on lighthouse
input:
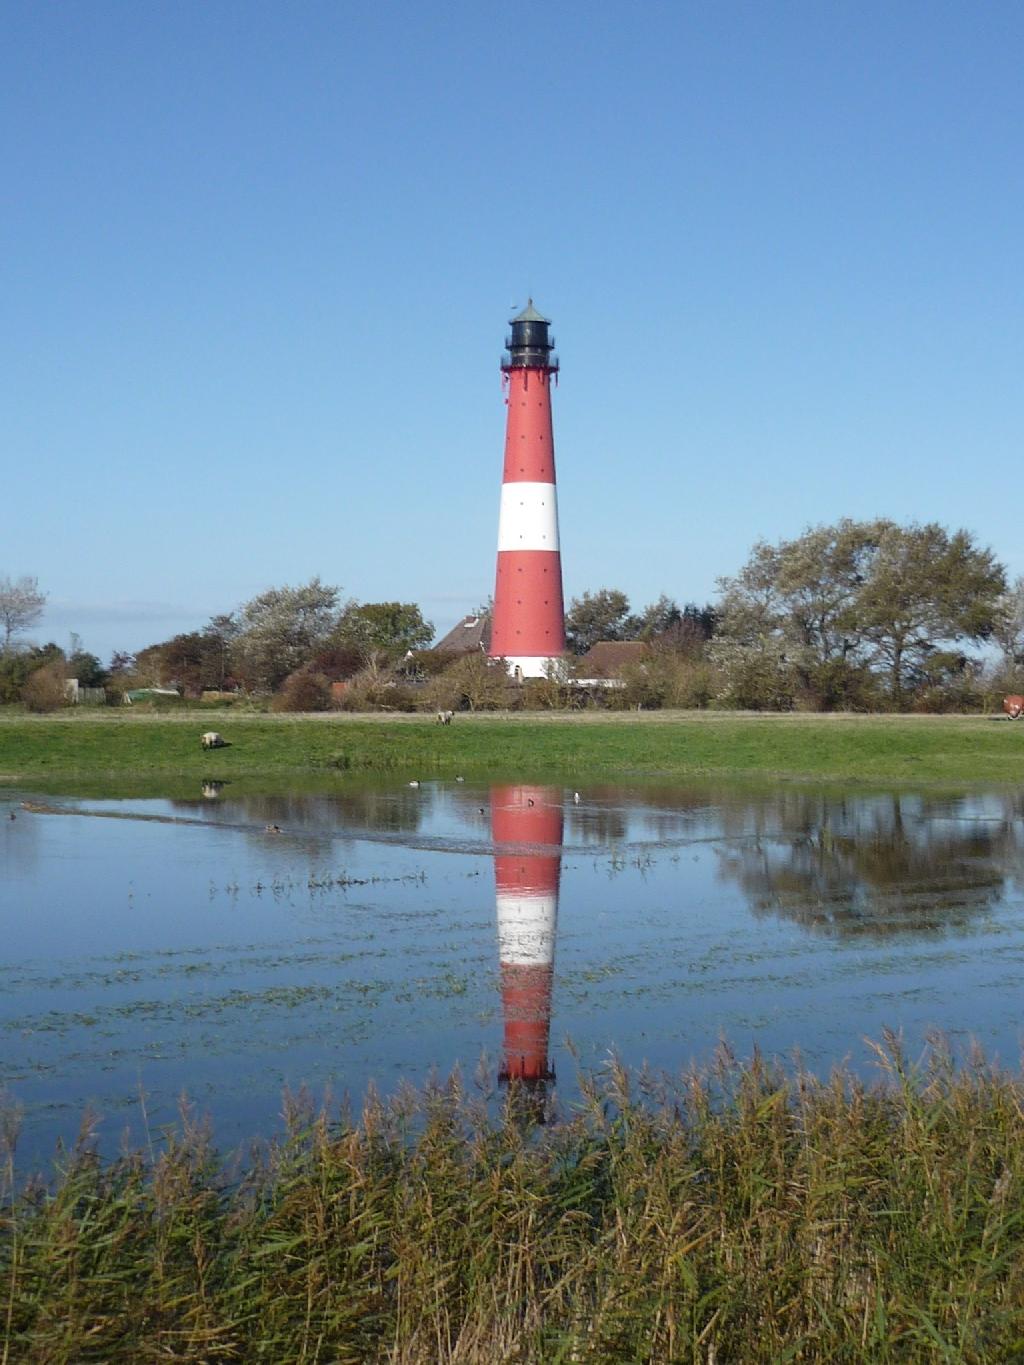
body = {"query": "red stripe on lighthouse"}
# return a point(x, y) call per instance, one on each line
point(528, 611)
point(529, 440)
point(527, 903)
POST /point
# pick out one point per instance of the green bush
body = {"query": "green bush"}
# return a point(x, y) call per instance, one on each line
point(303, 690)
point(753, 680)
point(475, 683)
point(839, 685)
point(545, 694)
point(18, 665)
point(666, 678)
point(948, 681)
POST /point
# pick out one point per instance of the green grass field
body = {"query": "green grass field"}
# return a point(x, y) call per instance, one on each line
point(160, 750)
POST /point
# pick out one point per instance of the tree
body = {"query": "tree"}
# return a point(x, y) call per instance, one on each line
point(799, 597)
point(389, 628)
point(122, 664)
point(596, 616)
point(84, 667)
point(220, 634)
point(840, 600)
point(281, 629)
point(339, 661)
point(1009, 628)
point(926, 587)
point(87, 669)
point(684, 631)
point(183, 661)
point(21, 606)
point(750, 609)
point(658, 618)
point(18, 666)
point(820, 577)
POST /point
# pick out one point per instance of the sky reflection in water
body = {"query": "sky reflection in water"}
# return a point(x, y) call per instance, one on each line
point(389, 930)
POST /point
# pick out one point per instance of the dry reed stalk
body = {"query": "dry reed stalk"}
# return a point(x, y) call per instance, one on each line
point(736, 1214)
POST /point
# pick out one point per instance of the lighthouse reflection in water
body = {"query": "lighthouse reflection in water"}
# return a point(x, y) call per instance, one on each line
point(526, 826)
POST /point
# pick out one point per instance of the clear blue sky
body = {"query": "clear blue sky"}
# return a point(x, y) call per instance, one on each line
point(258, 261)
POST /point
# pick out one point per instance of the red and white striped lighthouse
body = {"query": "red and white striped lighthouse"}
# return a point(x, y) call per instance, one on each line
point(526, 825)
point(528, 624)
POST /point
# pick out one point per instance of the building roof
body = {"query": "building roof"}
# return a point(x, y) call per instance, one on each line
point(530, 314)
point(472, 635)
point(607, 658)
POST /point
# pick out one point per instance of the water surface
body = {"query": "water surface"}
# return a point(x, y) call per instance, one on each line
point(232, 945)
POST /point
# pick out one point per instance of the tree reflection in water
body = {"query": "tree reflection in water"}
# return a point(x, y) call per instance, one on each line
point(316, 818)
point(881, 866)
point(845, 864)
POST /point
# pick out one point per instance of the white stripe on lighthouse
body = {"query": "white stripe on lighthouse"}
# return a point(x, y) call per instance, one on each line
point(526, 928)
point(535, 665)
point(529, 517)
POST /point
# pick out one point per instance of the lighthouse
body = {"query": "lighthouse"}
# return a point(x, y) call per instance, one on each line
point(526, 825)
point(528, 624)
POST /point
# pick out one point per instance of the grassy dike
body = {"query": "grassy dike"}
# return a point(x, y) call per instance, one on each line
point(733, 1216)
point(128, 749)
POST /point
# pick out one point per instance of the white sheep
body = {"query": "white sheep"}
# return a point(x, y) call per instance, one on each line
point(211, 740)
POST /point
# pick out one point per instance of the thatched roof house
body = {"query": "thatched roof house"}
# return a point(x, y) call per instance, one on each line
point(606, 660)
point(471, 636)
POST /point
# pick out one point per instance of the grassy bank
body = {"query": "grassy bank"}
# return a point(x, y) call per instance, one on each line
point(118, 747)
point(736, 1217)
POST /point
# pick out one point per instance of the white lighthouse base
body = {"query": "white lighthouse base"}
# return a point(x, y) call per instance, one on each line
point(534, 666)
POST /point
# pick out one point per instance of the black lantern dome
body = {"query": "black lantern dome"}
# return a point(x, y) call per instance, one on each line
point(529, 346)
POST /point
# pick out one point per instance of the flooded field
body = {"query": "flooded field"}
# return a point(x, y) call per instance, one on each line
point(230, 946)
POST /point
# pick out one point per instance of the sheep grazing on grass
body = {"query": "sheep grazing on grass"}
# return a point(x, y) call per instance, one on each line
point(211, 740)
point(445, 717)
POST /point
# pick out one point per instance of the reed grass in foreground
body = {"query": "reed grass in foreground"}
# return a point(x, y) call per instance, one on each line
point(736, 1216)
